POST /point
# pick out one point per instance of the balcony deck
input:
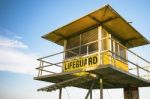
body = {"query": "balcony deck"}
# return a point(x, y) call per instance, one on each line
point(112, 78)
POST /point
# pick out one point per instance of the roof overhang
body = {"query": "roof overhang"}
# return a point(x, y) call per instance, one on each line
point(106, 17)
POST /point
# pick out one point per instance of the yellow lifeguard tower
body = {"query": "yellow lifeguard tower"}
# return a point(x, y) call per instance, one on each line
point(96, 55)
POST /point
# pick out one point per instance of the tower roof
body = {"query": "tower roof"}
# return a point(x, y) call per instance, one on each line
point(106, 17)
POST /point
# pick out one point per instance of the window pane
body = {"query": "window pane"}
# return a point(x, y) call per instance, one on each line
point(72, 53)
point(73, 42)
point(84, 49)
point(93, 47)
point(122, 53)
point(89, 36)
point(104, 44)
point(86, 38)
point(104, 33)
point(117, 50)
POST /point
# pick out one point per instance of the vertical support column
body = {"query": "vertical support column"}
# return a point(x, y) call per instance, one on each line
point(91, 94)
point(80, 44)
point(114, 52)
point(99, 44)
point(65, 46)
point(101, 88)
point(87, 55)
point(60, 93)
point(131, 93)
point(64, 53)
point(110, 47)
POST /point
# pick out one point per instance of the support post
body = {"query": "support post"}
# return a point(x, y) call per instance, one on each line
point(131, 93)
point(60, 93)
point(101, 88)
point(91, 94)
point(90, 91)
point(100, 44)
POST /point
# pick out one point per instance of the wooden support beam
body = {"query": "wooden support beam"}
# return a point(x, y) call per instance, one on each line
point(60, 93)
point(91, 94)
point(90, 91)
point(131, 93)
point(101, 88)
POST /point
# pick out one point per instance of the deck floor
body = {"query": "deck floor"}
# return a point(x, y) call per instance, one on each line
point(112, 78)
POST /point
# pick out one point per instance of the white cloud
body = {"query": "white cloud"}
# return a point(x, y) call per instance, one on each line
point(12, 43)
point(15, 60)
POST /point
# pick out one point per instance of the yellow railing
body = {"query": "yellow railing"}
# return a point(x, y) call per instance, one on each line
point(54, 63)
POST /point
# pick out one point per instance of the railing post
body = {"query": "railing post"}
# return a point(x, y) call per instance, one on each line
point(114, 60)
point(101, 60)
point(114, 44)
point(64, 54)
point(148, 75)
point(87, 55)
point(138, 71)
point(137, 66)
point(109, 47)
point(39, 72)
point(41, 68)
point(100, 44)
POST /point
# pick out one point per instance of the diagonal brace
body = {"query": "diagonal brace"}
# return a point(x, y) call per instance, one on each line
point(90, 89)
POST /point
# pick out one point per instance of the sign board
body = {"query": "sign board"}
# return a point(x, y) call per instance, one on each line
point(80, 63)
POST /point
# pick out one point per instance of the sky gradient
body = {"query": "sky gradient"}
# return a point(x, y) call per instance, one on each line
point(23, 22)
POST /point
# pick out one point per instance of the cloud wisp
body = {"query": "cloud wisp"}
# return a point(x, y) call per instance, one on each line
point(12, 43)
point(15, 58)
point(17, 61)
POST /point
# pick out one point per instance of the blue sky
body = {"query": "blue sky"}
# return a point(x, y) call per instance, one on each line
point(23, 22)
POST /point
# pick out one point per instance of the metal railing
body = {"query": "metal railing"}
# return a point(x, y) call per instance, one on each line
point(54, 63)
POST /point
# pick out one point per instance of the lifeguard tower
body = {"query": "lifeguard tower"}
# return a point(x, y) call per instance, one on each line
point(96, 55)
